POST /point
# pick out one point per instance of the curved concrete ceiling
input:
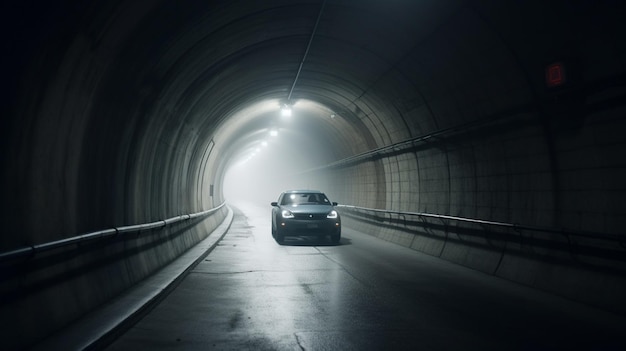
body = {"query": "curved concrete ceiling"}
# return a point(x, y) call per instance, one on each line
point(127, 112)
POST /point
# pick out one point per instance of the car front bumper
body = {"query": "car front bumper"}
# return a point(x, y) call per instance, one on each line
point(309, 227)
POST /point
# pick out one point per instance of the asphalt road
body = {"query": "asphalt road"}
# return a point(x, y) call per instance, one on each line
point(365, 294)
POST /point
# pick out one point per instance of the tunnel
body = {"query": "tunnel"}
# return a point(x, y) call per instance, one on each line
point(487, 133)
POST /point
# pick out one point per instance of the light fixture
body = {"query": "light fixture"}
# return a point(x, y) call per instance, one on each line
point(273, 132)
point(286, 111)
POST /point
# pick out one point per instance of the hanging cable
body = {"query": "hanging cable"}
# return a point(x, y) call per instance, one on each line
point(307, 50)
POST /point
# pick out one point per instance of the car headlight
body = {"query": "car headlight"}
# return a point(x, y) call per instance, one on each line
point(332, 214)
point(287, 214)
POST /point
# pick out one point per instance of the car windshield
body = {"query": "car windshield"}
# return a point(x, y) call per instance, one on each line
point(305, 198)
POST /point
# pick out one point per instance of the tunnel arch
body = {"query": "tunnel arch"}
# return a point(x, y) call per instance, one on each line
point(118, 113)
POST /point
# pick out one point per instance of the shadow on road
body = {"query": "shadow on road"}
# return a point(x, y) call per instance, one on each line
point(305, 240)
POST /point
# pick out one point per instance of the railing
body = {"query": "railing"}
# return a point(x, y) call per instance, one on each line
point(508, 115)
point(520, 112)
point(35, 249)
point(518, 227)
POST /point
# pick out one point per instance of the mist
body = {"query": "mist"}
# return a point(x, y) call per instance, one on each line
point(276, 166)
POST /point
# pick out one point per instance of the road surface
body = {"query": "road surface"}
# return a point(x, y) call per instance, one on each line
point(250, 293)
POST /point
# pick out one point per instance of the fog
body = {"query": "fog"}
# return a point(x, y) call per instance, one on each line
point(276, 166)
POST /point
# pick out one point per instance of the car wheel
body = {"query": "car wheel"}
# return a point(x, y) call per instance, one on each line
point(279, 237)
point(335, 238)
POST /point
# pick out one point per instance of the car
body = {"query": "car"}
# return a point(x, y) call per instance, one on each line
point(305, 213)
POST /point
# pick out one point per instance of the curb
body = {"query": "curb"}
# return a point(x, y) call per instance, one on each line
point(101, 327)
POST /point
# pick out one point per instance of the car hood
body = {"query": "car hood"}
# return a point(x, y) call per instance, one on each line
point(313, 209)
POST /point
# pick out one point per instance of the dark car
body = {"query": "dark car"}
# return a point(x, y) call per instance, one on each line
point(305, 213)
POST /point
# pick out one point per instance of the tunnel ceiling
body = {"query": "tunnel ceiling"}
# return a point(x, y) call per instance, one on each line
point(220, 59)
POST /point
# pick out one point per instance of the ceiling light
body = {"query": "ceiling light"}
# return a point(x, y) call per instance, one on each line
point(286, 111)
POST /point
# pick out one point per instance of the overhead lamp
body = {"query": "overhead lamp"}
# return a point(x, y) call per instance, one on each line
point(286, 111)
point(273, 132)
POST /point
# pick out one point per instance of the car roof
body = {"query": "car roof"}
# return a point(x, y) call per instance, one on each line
point(303, 191)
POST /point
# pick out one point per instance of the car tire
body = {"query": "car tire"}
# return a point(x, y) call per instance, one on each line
point(335, 238)
point(280, 239)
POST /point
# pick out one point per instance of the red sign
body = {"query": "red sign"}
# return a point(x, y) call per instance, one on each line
point(555, 75)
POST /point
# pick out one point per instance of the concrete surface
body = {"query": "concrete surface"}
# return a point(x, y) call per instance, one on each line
point(250, 293)
point(98, 327)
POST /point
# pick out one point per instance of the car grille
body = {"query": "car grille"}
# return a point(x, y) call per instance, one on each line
point(309, 216)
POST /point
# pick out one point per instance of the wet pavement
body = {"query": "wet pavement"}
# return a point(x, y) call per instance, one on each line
point(250, 293)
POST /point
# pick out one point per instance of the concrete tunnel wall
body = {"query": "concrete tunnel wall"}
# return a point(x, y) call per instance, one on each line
point(125, 113)
point(541, 157)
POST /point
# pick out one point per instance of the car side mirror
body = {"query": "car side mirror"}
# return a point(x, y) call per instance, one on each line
point(274, 203)
point(335, 204)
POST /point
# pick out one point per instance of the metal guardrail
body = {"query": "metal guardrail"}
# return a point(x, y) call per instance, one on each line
point(593, 235)
point(596, 88)
point(510, 114)
point(34, 249)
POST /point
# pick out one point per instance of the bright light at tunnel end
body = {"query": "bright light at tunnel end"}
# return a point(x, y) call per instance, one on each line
point(253, 165)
